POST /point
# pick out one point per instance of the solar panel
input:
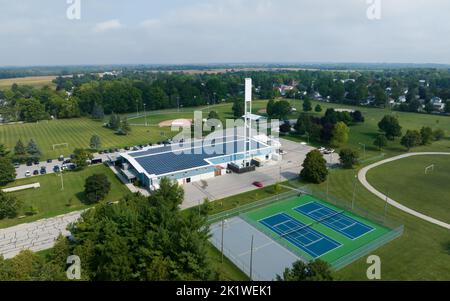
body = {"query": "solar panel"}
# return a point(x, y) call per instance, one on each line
point(164, 160)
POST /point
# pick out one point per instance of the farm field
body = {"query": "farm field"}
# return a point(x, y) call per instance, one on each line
point(35, 81)
point(51, 201)
point(406, 182)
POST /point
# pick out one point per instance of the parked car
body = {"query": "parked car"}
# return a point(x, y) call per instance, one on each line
point(36, 162)
point(329, 151)
point(49, 160)
point(61, 158)
point(322, 149)
point(27, 173)
point(43, 170)
point(29, 163)
point(56, 168)
point(16, 165)
point(36, 172)
point(258, 184)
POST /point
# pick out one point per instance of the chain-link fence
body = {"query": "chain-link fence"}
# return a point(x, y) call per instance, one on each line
point(396, 229)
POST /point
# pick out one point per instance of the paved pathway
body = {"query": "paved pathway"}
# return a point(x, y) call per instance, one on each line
point(35, 236)
point(362, 178)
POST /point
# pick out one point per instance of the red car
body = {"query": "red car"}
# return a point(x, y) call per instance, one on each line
point(258, 184)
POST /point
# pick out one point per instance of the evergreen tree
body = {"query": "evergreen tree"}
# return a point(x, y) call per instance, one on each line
point(95, 142)
point(33, 150)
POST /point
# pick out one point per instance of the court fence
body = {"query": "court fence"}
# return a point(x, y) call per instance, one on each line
point(396, 229)
point(254, 205)
point(237, 261)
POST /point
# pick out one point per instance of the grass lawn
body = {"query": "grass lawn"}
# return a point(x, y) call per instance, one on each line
point(35, 81)
point(51, 201)
point(77, 132)
point(227, 271)
point(422, 253)
point(406, 182)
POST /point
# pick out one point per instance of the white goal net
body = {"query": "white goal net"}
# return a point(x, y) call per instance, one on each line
point(429, 169)
point(60, 145)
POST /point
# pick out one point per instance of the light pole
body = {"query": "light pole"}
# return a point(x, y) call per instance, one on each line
point(328, 181)
point(354, 193)
point(251, 259)
point(364, 147)
point(221, 245)
point(145, 115)
point(62, 181)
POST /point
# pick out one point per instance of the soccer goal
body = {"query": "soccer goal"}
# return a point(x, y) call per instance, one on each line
point(429, 169)
point(60, 145)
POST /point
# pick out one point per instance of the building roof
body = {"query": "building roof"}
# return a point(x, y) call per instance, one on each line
point(175, 158)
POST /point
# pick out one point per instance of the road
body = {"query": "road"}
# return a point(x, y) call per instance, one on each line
point(362, 178)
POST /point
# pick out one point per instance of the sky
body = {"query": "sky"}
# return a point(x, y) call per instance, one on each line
point(39, 32)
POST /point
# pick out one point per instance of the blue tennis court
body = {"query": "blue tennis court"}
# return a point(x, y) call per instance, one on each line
point(335, 220)
point(300, 235)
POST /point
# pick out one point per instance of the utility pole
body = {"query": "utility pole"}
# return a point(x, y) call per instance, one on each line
point(251, 259)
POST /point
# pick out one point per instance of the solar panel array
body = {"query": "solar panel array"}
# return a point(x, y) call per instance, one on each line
point(164, 160)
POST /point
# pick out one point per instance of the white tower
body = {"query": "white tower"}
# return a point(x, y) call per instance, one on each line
point(248, 120)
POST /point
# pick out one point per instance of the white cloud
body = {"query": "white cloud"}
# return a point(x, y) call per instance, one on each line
point(108, 25)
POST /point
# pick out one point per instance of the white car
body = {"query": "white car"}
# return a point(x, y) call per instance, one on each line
point(322, 149)
point(28, 173)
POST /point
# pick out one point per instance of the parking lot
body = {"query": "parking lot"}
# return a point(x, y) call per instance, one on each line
point(273, 172)
point(23, 168)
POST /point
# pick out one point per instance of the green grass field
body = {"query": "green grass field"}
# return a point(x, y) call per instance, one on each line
point(51, 201)
point(77, 132)
point(406, 182)
point(347, 245)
